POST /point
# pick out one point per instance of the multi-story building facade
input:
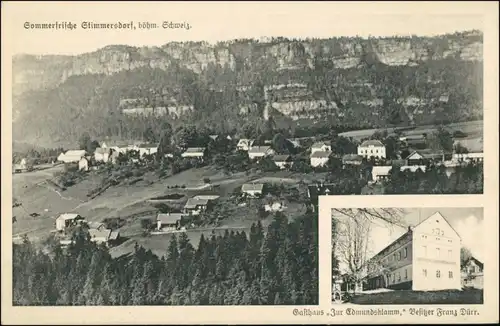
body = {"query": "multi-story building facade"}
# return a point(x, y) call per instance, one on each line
point(371, 148)
point(425, 258)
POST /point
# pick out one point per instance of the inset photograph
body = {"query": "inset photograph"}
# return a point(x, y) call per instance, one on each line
point(407, 255)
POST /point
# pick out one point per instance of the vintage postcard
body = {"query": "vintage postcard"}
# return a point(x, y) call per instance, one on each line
point(249, 162)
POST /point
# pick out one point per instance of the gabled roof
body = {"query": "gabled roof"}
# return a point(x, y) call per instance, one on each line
point(169, 218)
point(259, 149)
point(214, 137)
point(100, 233)
point(194, 202)
point(371, 142)
point(413, 168)
point(438, 214)
point(252, 187)
point(68, 216)
point(477, 261)
point(352, 157)
point(114, 235)
point(319, 144)
point(245, 142)
point(207, 197)
point(79, 152)
point(321, 154)
point(195, 150)
point(281, 158)
point(381, 170)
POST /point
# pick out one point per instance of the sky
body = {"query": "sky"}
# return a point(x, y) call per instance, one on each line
point(223, 21)
point(467, 221)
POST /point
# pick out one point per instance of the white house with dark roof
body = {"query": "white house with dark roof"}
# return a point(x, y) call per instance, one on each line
point(103, 235)
point(194, 152)
point(194, 206)
point(372, 147)
point(83, 164)
point(282, 161)
point(380, 172)
point(244, 144)
point(320, 158)
point(321, 147)
point(66, 220)
point(252, 189)
point(168, 221)
point(257, 152)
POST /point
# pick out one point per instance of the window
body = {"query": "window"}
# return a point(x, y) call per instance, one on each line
point(424, 272)
point(450, 274)
point(406, 252)
point(399, 276)
point(394, 257)
point(424, 250)
point(438, 252)
point(406, 274)
point(393, 277)
point(438, 274)
point(450, 254)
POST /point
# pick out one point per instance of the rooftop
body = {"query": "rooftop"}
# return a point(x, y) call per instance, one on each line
point(252, 187)
point(321, 154)
point(194, 202)
point(100, 233)
point(319, 144)
point(281, 158)
point(195, 150)
point(371, 142)
point(169, 218)
point(259, 149)
point(68, 216)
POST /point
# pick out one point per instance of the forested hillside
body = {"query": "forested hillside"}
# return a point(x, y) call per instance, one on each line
point(345, 82)
point(277, 267)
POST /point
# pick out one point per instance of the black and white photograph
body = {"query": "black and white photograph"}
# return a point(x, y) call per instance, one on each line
point(173, 154)
point(407, 256)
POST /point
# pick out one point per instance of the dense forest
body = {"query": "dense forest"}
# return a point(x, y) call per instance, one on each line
point(403, 94)
point(277, 267)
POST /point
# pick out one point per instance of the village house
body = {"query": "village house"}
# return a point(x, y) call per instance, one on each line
point(83, 164)
point(414, 140)
point(473, 274)
point(274, 207)
point(253, 189)
point(467, 157)
point(102, 154)
point(194, 152)
point(380, 173)
point(352, 159)
point(320, 158)
point(425, 258)
point(168, 221)
point(423, 157)
point(196, 206)
point(257, 152)
point(370, 148)
point(71, 156)
point(67, 220)
point(245, 144)
point(321, 147)
point(22, 166)
point(147, 149)
point(103, 235)
point(282, 161)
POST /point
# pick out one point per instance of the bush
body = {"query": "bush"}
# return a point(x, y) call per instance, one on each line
point(206, 180)
point(147, 224)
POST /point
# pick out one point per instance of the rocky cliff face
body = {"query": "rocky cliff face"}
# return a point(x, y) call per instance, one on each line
point(40, 72)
